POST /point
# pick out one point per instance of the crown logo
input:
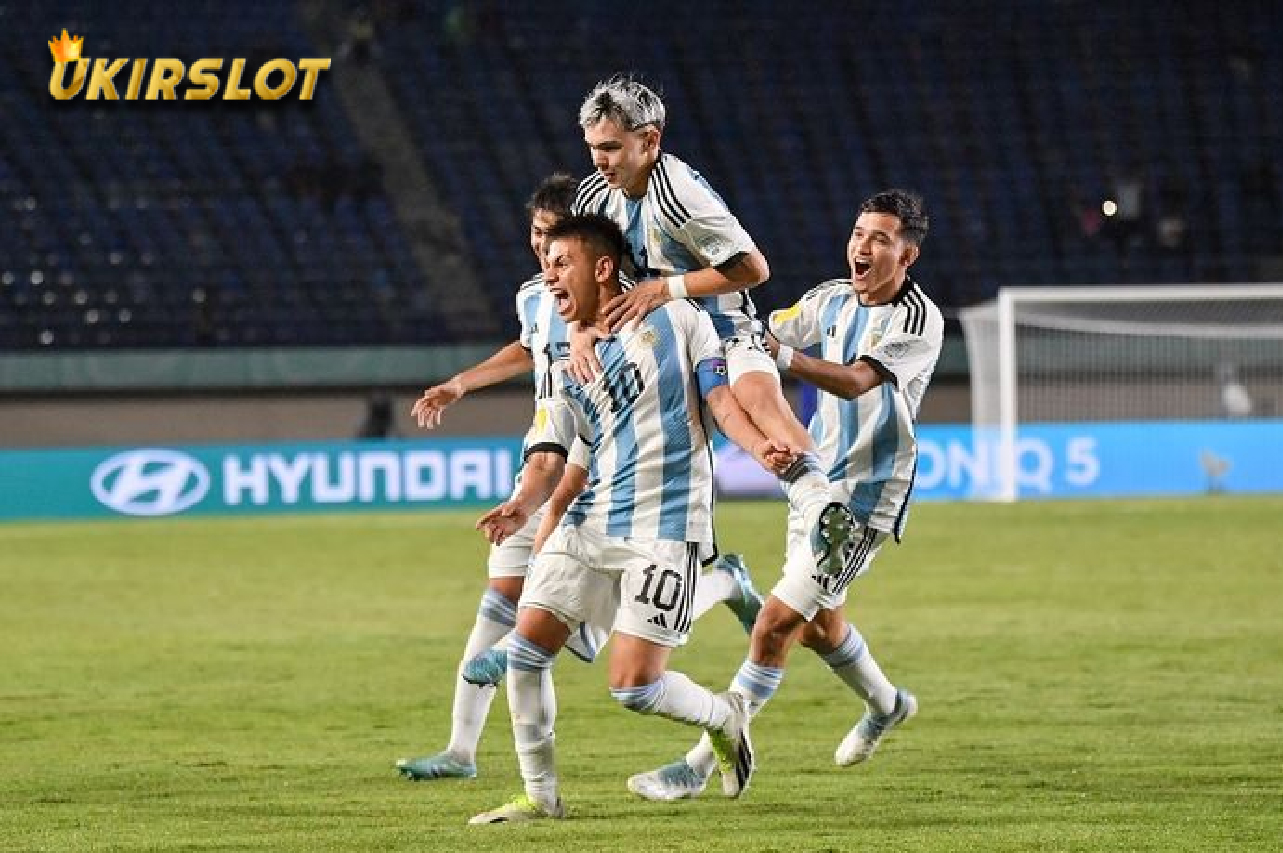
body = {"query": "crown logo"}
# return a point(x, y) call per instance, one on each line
point(65, 49)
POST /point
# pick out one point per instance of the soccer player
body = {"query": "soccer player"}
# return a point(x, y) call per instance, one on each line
point(630, 547)
point(542, 341)
point(879, 337)
point(683, 242)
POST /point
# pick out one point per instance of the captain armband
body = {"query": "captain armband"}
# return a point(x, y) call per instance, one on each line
point(711, 373)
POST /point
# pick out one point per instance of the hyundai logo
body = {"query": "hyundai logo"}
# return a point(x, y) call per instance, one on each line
point(150, 482)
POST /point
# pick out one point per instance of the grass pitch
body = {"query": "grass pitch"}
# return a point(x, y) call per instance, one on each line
point(1098, 676)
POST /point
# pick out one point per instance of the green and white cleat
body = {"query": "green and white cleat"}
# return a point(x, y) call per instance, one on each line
point(520, 809)
point(833, 538)
point(676, 781)
point(733, 748)
point(443, 765)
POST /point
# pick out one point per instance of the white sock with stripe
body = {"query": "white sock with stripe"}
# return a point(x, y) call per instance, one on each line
point(495, 617)
point(533, 704)
point(852, 663)
point(757, 684)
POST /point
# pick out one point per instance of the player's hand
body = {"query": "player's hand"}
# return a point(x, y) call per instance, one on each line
point(583, 364)
point(775, 456)
point(428, 409)
point(771, 343)
point(502, 521)
point(636, 303)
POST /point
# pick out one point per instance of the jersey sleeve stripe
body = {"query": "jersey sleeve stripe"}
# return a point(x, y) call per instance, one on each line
point(916, 317)
point(590, 193)
point(668, 203)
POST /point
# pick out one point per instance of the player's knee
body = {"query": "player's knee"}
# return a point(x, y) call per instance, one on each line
point(771, 634)
point(642, 698)
point(822, 635)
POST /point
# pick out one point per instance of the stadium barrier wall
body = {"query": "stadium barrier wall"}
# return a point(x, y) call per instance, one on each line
point(1055, 461)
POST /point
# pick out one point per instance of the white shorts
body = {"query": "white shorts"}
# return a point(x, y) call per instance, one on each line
point(646, 588)
point(803, 587)
point(511, 559)
point(746, 354)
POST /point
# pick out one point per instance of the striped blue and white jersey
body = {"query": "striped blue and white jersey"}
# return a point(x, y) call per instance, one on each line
point(680, 225)
point(868, 444)
point(543, 332)
point(652, 469)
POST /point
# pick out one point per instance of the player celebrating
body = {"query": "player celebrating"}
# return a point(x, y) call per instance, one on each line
point(880, 337)
point(633, 541)
point(542, 341)
point(683, 242)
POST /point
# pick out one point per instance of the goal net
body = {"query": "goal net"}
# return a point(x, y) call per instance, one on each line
point(1100, 354)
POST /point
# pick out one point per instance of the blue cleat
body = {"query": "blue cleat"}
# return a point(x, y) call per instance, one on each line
point(443, 765)
point(749, 603)
point(862, 740)
point(676, 781)
point(486, 669)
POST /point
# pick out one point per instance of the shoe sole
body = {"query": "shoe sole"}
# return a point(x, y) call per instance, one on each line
point(835, 535)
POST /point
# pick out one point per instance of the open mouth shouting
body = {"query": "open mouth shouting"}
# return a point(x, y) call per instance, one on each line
point(561, 300)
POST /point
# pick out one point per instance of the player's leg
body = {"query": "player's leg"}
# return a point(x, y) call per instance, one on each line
point(755, 382)
point(728, 581)
point(496, 615)
point(654, 617)
point(840, 645)
point(560, 593)
point(797, 597)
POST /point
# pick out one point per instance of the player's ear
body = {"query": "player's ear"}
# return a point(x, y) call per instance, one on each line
point(911, 251)
point(604, 269)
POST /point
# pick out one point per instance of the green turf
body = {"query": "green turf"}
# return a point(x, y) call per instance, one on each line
point(1102, 676)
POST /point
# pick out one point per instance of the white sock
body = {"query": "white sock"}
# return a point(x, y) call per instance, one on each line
point(852, 663)
point(713, 587)
point(678, 698)
point(757, 683)
point(495, 617)
point(806, 487)
point(532, 702)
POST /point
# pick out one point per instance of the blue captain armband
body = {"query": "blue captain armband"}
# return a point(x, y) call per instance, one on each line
point(711, 373)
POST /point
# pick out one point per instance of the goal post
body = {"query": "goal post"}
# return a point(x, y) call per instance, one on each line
point(1102, 354)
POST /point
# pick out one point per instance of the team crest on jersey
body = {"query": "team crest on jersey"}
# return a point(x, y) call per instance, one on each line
point(713, 245)
point(649, 338)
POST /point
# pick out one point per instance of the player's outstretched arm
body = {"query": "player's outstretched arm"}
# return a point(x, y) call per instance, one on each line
point(773, 455)
point(508, 362)
point(540, 476)
point(846, 381)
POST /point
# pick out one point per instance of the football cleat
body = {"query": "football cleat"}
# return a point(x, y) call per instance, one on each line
point(676, 781)
point(749, 603)
point(864, 738)
point(520, 809)
point(443, 765)
point(832, 538)
point(733, 747)
point(486, 669)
